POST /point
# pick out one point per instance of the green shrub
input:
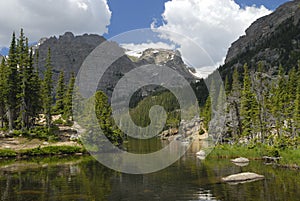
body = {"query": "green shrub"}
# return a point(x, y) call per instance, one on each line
point(43, 133)
point(59, 121)
point(18, 133)
point(272, 151)
point(7, 153)
point(52, 150)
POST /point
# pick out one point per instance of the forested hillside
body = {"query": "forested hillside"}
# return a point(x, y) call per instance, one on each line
point(25, 96)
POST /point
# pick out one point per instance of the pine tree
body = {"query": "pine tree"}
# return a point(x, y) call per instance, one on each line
point(206, 112)
point(23, 94)
point(34, 98)
point(47, 90)
point(3, 86)
point(227, 85)
point(103, 113)
point(291, 92)
point(12, 81)
point(280, 99)
point(261, 95)
point(60, 92)
point(296, 115)
point(68, 100)
point(249, 106)
point(234, 104)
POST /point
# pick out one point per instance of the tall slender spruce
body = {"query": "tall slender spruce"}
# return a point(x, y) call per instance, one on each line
point(60, 93)
point(47, 90)
point(12, 81)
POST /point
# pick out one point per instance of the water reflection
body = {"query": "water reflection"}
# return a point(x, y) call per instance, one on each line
point(77, 180)
point(188, 179)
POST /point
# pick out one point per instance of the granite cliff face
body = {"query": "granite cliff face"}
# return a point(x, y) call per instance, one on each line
point(273, 39)
point(67, 52)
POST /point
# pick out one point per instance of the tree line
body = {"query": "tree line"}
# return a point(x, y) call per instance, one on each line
point(24, 95)
point(259, 106)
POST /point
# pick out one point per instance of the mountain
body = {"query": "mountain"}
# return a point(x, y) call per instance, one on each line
point(273, 39)
point(262, 102)
point(170, 58)
point(68, 52)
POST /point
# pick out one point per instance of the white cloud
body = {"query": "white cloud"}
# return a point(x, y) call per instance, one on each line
point(212, 24)
point(137, 49)
point(43, 18)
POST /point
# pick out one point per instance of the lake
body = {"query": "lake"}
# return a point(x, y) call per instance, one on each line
point(83, 178)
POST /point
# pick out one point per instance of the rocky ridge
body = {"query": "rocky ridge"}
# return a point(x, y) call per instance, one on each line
point(170, 58)
point(263, 28)
point(68, 53)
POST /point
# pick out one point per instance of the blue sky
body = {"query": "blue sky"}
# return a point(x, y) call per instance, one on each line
point(270, 4)
point(211, 24)
point(136, 14)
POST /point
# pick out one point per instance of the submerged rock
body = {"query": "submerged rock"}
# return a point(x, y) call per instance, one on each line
point(240, 160)
point(243, 177)
point(201, 155)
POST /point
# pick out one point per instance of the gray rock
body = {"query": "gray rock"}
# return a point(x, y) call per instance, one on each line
point(75, 137)
point(69, 52)
point(242, 177)
point(240, 160)
point(263, 28)
point(201, 153)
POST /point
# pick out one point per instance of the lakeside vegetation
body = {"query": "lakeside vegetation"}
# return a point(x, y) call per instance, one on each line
point(262, 114)
point(26, 96)
point(289, 158)
point(29, 100)
point(42, 151)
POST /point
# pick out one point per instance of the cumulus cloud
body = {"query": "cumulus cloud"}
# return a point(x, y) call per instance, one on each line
point(43, 18)
point(212, 24)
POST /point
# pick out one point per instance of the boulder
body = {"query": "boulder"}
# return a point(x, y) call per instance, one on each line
point(201, 155)
point(241, 164)
point(243, 177)
point(240, 160)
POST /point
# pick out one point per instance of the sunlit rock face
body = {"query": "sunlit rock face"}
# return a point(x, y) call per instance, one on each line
point(264, 37)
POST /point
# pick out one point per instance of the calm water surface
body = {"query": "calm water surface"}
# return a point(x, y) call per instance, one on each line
point(82, 178)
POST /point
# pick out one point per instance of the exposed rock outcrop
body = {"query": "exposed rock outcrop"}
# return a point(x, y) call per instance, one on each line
point(170, 58)
point(187, 129)
point(262, 30)
point(67, 51)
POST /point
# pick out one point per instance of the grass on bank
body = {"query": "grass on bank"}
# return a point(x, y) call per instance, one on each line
point(289, 156)
point(42, 151)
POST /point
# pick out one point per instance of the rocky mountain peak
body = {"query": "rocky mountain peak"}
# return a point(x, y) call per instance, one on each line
point(67, 36)
point(170, 58)
point(161, 56)
point(67, 51)
point(264, 28)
